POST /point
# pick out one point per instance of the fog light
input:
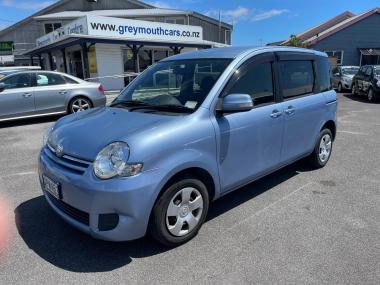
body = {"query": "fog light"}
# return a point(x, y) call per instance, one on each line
point(108, 222)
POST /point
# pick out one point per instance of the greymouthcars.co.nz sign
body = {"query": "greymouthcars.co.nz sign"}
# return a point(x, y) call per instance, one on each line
point(125, 29)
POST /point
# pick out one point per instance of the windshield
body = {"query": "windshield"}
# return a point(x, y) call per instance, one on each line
point(350, 71)
point(177, 85)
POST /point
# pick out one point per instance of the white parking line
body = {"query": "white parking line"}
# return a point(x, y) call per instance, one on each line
point(19, 174)
point(271, 205)
point(353, 133)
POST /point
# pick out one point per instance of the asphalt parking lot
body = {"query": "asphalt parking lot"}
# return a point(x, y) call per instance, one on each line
point(296, 226)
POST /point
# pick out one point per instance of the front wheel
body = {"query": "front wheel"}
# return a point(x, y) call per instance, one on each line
point(340, 88)
point(180, 212)
point(371, 95)
point(322, 150)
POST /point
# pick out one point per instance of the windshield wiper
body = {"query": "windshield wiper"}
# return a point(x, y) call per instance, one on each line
point(166, 107)
point(129, 103)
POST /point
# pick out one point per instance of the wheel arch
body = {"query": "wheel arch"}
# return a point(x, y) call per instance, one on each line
point(331, 126)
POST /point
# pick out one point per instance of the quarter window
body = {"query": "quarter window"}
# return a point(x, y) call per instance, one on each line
point(297, 78)
point(257, 81)
point(18, 81)
point(44, 79)
point(323, 74)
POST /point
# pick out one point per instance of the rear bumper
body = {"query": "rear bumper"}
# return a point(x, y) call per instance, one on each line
point(100, 102)
point(86, 197)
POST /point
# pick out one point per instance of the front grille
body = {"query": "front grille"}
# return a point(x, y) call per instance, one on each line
point(67, 162)
point(78, 215)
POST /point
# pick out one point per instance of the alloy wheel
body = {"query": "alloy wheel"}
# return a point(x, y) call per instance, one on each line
point(184, 211)
point(325, 148)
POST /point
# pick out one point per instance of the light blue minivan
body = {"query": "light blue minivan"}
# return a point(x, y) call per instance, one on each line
point(187, 131)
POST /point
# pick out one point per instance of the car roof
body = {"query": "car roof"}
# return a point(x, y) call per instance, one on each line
point(235, 52)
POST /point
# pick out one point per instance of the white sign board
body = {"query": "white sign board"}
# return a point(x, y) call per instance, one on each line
point(126, 29)
point(7, 59)
point(78, 27)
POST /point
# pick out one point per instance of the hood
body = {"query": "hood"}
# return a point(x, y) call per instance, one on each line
point(84, 134)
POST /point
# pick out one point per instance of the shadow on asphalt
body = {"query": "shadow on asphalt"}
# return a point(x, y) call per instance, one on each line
point(30, 121)
point(358, 98)
point(67, 248)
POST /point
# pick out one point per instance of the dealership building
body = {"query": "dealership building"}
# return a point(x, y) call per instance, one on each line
point(107, 40)
point(348, 39)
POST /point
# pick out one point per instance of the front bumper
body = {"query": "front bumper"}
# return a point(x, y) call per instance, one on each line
point(86, 197)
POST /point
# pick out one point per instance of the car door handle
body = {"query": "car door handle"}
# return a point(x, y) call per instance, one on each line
point(290, 110)
point(27, 95)
point(63, 92)
point(276, 114)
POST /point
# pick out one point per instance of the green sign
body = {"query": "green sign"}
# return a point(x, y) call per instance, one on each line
point(6, 46)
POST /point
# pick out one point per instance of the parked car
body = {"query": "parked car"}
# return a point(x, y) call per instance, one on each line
point(25, 94)
point(26, 67)
point(366, 82)
point(342, 77)
point(187, 131)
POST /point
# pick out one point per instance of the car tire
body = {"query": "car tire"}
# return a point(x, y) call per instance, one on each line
point(371, 95)
point(354, 89)
point(322, 150)
point(340, 88)
point(79, 104)
point(179, 212)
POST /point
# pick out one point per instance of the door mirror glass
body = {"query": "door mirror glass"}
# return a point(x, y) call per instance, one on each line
point(234, 103)
point(2, 87)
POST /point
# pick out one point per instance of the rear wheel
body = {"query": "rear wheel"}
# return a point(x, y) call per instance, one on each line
point(180, 212)
point(322, 150)
point(79, 104)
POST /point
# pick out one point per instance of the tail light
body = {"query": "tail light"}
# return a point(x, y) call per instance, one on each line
point(101, 89)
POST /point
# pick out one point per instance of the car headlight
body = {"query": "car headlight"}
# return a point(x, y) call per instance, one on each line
point(112, 161)
point(47, 135)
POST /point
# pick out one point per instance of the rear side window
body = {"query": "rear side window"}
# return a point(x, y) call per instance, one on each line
point(297, 77)
point(45, 79)
point(257, 81)
point(22, 80)
point(323, 74)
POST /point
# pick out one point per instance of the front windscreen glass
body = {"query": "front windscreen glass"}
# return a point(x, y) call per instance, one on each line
point(178, 86)
point(350, 71)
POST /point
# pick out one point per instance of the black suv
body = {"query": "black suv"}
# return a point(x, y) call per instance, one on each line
point(367, 82)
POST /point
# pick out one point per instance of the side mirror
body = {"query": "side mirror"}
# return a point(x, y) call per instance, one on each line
point(234, 103)
point(2, 87)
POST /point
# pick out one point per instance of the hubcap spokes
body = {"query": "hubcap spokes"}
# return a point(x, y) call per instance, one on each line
point(325, 148)
point(184, 211)
point(80, 105)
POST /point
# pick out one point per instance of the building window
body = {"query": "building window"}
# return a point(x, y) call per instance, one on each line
point(50, 27)
point(336, 56)
point(178, 21)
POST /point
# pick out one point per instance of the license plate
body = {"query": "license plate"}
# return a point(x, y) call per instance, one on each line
point(52, 187)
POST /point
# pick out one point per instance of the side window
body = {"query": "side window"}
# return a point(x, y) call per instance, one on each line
point(369, 71)
point(323, 74)
point(18, 81)
point(297, 78)
point(44, 79)
point(70, 81)
point(257, 81)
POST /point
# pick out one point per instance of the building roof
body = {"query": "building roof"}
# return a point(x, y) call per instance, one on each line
point(342, 25)
point(52, 7)
point(67, 15)
point(342, 21)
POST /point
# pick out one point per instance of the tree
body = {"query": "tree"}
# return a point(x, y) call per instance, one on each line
point(296, 42)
